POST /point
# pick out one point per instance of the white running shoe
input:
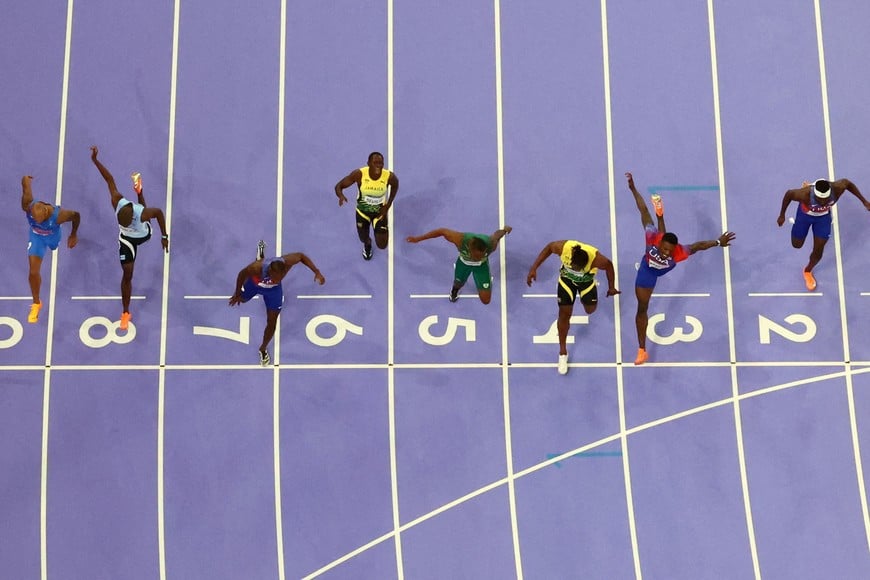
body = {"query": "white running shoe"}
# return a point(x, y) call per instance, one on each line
point(563, 364)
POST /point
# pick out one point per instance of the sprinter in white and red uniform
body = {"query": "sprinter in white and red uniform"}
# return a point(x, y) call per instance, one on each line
point(815, 201)
point(264, 276)
point(663, 251)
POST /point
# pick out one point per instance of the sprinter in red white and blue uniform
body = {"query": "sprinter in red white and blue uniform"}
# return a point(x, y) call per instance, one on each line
point(815, 201)
point(264, 276)
point(663, 251)
point(44, 220)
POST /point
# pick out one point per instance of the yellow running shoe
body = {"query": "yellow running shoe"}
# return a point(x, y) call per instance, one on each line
point(33, 317)
point(125, 320)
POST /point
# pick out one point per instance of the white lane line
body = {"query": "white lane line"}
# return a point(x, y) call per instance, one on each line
point(391, 289)
point(164, 306)
point(732, 348)
point(508, 439)
point(785, 294)
point(105, 297)
point(279, 227)
point(332, 296)
point(853, 422)
point(623, 436)
point(49, 343)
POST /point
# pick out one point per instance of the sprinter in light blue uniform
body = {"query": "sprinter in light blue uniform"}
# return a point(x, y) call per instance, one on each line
point(263, 276)
point(133, 218)
point(44, 220)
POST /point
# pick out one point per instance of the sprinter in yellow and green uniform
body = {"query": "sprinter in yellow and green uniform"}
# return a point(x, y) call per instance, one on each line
point(372, 202)
point(580, 263)
point(473, 260)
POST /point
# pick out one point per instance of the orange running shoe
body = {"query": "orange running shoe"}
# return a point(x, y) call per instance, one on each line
point(810, 280)
point(658, 205)
point(137, 182)
point(642, 357)
point(125, 320)
point(33, 317)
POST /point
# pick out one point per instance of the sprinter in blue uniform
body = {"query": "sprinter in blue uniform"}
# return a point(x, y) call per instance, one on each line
point(44, 220)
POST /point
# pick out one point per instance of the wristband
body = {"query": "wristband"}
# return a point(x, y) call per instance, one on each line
point(718, 242)
point(165, 237)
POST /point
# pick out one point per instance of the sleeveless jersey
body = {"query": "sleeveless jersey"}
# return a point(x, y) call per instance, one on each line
point(44, 228)
point(587, 274)
point(653, 260)
point(264, 280)
point(465, 249)
point(136, 229)
point(818, 207)
point(372, 192)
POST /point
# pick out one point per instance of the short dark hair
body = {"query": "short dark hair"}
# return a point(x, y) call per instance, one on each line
point(579, 257)
point(372, 154)
point(478, 244)
point(822, 185)
point(670, 238)
point(278, 266)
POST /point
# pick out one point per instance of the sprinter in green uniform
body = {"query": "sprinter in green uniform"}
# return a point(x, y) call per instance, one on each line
point(473, 260)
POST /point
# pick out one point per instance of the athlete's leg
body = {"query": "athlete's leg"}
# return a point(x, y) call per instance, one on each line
point(34, 276)
point(641, 319)
point(382, 232)
point(661, 220)
point(269, 332)
point(126, 292)
point(363, 229)
point(800, 229)
point(461, 271)
point(563, 323)
point(483, 282)
point(816, 254)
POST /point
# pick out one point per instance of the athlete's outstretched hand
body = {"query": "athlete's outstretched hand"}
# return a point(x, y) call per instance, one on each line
point(630, 178)
point(94, 152)
point(319, 279)
point(236, 299)
point(613, 292)
point(726, 238)
point(341, 199)
point(533, 275)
